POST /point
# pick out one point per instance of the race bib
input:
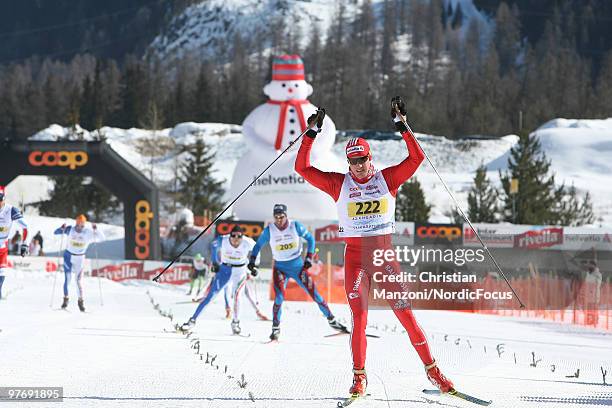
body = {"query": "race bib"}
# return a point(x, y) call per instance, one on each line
point(360, 208)
point(285, 247)
point(77, 244)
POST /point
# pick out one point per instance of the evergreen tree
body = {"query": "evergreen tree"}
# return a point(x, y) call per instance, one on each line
point(457, 21)
point(66, 199)
point(410, 204)
point(101, 203)
point(134, 95)
point(199, 191)
point(482, 198)
point(87, 105)
point(507, 37)
point(203, 97)
point(537, 195)
point(73, 195)
point(573, 212)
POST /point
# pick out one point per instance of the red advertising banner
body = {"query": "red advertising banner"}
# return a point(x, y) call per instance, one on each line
point(176, 275)
point(328, 233)
point(120, 272)
point(537, 239)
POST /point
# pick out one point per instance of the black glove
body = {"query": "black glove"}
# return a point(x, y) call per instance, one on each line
point(397, 104)
point(251, 266)
point(24, 250)
point(215, 267)
point(308, 261)
point(315, 123)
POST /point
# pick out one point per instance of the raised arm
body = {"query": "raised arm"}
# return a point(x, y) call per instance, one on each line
point(396, 175)
point(329, 182)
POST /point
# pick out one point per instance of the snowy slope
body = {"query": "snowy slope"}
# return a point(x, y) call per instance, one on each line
point(578, 150)
point(120, 354)
point(207, 29)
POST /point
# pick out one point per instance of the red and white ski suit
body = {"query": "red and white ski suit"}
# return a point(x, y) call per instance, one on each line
point(358, 263)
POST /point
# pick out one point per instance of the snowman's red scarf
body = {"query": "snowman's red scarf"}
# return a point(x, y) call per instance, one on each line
point(297, 104)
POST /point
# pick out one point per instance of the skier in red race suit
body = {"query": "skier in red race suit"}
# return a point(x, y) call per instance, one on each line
point(365, 199)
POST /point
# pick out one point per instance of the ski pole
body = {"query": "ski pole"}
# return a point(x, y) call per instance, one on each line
point(291, 143)
point(58, 269)
point(97, 268)
point(395, 106)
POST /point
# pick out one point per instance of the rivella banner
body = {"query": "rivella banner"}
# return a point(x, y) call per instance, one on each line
point(538, 237)
point(116, 270)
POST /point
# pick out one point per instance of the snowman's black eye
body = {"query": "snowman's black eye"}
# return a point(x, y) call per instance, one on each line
point(284, 85)
point(296, 85)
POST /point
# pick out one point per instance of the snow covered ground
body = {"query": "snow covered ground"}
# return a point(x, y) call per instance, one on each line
point(119, 354)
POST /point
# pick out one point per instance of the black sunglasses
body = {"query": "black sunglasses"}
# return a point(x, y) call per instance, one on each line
point(236, 235)
point(358, 160)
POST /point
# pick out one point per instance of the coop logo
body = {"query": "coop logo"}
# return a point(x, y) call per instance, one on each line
point(71, 160)
point(546, 237)
point(143, 229)
point(251, 228)
point(436, 233)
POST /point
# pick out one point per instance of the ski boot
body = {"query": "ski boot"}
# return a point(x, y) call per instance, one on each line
point(275, 333)
point(360, 383)
point(185, 327)
point(81, 305)
point(336, 325)
point(261, 316)
point(65, 303)
point(228, 313)
point(235, 327)
point(437, 378)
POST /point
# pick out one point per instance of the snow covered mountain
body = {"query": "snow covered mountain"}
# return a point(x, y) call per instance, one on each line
point(578, 149)
point(207, 29)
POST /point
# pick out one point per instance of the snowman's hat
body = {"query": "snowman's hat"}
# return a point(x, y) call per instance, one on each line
point(288, 68)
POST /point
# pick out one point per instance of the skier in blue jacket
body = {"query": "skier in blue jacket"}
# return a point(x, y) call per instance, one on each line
point(285, 238)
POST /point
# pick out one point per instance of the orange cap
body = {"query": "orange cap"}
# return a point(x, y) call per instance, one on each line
point(81, 218)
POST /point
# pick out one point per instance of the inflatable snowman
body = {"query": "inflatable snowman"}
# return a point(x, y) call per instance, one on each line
point(268, 130)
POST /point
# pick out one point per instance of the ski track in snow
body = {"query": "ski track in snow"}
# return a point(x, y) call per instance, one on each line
point(120, 354)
